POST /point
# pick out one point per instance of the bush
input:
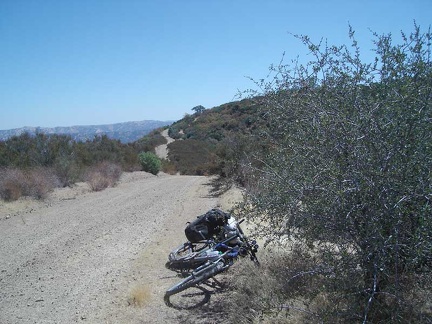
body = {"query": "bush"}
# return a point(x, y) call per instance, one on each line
point(296, 286)
point(103, 175)
point(193, 157)
point(149, 142)
point(41, 181)
point(150, 162)
point(36, 183)
point(260, 295)
point(11, 181)
point(349, 171)
point(168, 167)
point(67, 170)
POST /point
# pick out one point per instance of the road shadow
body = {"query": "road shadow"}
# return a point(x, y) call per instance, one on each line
point(194, 297)
point(218, 186)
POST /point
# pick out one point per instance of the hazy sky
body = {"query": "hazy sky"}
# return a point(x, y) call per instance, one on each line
point(87, 62)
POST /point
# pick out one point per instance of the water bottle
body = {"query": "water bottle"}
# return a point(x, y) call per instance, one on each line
point(213, 254)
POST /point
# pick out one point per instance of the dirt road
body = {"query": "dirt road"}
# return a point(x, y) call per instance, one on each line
point(162, 150)
point(96, 257)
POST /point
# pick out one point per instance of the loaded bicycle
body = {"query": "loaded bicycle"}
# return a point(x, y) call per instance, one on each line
point(201, 260)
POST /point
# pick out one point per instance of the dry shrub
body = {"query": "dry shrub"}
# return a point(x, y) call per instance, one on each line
point(139, 295)
point(10, 190)
point(40, 181)
point(37, 183)
point(289, 286)
point(275, 292)
point(67, 171)
point(103, 175)
point(97, 181)
point(11, 184)
point(296, 286)
point(168, 167)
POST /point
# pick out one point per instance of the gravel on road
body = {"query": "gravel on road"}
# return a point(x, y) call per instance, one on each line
point(97, 257)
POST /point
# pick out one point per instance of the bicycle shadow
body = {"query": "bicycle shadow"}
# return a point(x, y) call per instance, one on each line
point(196, 296)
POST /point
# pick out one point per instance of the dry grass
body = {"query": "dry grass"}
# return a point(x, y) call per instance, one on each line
point(139, 295)
point(269, 294)
point(293, 285)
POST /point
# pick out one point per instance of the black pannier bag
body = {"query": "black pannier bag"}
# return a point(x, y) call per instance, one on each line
point(205, 226)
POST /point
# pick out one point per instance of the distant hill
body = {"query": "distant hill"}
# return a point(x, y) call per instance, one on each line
point(213, 141)
point(125, 132)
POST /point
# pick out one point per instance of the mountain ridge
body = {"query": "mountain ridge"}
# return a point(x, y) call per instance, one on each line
point(125, 131)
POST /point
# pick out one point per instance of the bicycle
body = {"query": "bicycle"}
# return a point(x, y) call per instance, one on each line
point(191, 255)
point(212, 267)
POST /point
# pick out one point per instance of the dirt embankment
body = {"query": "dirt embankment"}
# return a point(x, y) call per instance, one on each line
point(97, 257)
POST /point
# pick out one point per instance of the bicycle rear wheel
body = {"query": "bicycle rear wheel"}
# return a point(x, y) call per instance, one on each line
point(184, 258)
point(187, 249)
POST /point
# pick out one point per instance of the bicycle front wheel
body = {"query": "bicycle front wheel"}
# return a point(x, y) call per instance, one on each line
point(203, 273)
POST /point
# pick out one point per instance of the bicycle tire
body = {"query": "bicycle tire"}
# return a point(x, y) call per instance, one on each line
point(194, 297)
point(185, 257)
point(184, 265)
point(197, 277)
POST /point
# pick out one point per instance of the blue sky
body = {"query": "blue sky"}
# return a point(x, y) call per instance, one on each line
point(89, 62)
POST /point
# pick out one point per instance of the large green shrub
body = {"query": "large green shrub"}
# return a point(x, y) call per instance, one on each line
point(349, 175)
point(150, 162)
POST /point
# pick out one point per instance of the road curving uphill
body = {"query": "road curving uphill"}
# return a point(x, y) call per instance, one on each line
point(97, 257)
point(162, 150)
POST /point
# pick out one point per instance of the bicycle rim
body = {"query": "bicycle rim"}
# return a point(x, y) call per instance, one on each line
point(186, 250)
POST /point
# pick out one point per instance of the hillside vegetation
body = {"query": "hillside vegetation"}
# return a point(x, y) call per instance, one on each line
point(126, 132)
point(34, 165)
point(212, 141)
point(209, 143)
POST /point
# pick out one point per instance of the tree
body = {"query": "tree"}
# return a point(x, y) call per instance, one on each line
point(198, 109)
point(150, 162)
point(349, 173)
